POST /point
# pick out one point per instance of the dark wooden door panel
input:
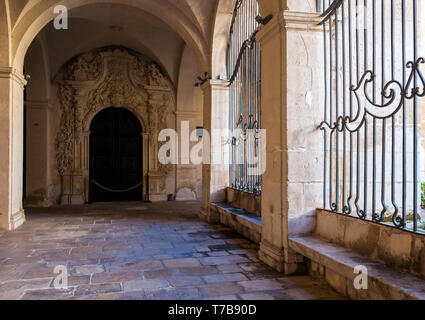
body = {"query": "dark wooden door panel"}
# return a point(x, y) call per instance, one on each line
point(115, 156)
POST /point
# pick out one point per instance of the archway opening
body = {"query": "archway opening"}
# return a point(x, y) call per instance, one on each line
point(116, 159)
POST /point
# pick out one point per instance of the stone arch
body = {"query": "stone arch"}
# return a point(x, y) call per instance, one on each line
point(94, 81)
point(40, 14)
point(222, 20)
point(5, 35)
point(220, 37)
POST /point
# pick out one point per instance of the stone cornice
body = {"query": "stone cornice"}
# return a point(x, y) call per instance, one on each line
point(191, 114)
point(38, 104)
point(306, 21)
point(290, 21)
point(11, 73)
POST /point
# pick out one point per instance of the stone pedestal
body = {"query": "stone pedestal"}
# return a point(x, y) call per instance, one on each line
point(73, 189)
point(156, 185)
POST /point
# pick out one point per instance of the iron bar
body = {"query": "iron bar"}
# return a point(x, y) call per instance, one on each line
point(245, 103)
point(372, 100)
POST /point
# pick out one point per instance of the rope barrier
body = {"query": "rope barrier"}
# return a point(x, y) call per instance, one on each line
point(116, 191)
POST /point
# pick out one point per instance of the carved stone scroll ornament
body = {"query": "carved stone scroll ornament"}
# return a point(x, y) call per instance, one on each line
point(64, 140)
point(98, 80)
point(84, 68)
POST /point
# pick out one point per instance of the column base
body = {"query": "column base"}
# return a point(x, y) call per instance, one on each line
point(16, 220)
point(209, 216)
point(280, 259)
point(272, 255)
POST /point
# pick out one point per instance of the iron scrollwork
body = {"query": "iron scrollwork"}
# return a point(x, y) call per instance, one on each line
point(389, 93)
point(395, 94)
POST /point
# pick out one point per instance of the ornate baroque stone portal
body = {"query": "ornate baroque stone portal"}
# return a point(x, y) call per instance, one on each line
point(100, 79)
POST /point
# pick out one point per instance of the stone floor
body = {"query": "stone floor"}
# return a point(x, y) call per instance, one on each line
point(138, 251)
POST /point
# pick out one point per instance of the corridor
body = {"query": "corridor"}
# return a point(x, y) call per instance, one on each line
point(139, 251)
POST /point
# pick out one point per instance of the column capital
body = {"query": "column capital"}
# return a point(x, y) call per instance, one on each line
point(215, 85)
point(11, 73)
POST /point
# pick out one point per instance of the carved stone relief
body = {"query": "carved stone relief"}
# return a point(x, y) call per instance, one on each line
point(100, 79)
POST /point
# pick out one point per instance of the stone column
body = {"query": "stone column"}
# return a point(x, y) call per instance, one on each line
point(215, 176)
point(290, 42)
point(11, 141)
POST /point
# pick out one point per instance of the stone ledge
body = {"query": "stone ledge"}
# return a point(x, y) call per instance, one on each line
point(337, 268)
point(247, 224)
point(385, 244)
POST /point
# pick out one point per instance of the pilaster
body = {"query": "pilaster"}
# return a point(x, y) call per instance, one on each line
point(215, 175)
point(280, 82)
point(12, 84)
point(156, 179)
point(37, 153)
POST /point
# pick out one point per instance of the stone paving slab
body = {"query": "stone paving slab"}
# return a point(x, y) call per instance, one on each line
point(139, 251)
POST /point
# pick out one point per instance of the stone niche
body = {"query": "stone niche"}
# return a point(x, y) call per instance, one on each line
point(100, 79)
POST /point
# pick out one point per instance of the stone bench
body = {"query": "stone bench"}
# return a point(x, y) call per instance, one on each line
point(335, 264)
point(243, 222)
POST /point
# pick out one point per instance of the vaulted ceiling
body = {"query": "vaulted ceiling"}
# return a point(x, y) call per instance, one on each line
point(139, 24)
point(99, 25)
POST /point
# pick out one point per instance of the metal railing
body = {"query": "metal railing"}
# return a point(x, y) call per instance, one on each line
point(373, 85)
point(322, 5)
point(244, 71)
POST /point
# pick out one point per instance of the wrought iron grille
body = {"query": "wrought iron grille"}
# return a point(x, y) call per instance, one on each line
point(373, 85)
point(243, 63)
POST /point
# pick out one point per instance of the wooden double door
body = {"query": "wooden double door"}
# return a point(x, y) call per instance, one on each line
point(116, 160)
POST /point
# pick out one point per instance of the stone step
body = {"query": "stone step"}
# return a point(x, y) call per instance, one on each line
point(336, 264)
